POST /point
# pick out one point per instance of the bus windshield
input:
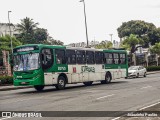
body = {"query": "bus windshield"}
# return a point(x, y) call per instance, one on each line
point(26, 62)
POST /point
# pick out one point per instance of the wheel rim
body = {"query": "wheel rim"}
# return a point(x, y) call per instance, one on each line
point(61, 82)
point(107, 78)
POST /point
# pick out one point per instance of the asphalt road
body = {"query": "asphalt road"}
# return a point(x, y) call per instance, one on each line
point(120, 95)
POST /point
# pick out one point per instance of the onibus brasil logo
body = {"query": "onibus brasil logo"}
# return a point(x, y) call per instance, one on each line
point(21, 114)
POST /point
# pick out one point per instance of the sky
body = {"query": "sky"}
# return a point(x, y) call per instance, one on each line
point(64, 19)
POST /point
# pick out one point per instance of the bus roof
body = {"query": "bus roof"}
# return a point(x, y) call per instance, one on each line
point(71, 48)
point(82, 48)
point(113, 50)
point(41, 45)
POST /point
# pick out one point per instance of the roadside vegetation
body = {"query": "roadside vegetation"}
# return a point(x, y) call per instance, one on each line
point(6, 80)
point(153, 68)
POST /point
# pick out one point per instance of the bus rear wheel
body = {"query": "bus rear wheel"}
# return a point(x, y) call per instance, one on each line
point(88, 83)
point(61, 83)
point(145, 74)
point(39, 87)
point(137, 75)
point(108, 79)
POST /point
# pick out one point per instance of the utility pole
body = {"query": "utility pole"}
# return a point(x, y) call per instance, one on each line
point(10, 32)
point(85, 20)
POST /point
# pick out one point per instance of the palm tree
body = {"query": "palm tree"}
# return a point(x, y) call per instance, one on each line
point(104, 45)
point(26, 29)
point(131, 42)
point(27, 26)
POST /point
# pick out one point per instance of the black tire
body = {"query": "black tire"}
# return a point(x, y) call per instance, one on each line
point(88, 83)
point(61, 83)
point(126, 77)
point(145, 74)
point(103, 82)
point(39, 87)
point(108, 79)
point(137, 75)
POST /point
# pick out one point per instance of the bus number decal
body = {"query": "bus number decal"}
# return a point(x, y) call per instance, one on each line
point(61, 68)
point(87, 69)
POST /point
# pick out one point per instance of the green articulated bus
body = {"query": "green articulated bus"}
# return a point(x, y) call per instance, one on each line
point(40, 65)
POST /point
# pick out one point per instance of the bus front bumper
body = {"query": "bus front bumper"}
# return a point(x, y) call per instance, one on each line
point(28, 82)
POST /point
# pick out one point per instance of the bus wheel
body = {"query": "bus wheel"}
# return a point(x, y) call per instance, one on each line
point(103, 82)
point(137, 75)
point(145, 74)
point(107, 79)
point(39, 87)
point(61, 83)
point(88, 83)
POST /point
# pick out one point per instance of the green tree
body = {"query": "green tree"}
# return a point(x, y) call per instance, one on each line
point(155, 48)
point(26, 38)
point(125, 46)
point(104, 45)
point(52, 41)
point(31, 34)
point(55, 42)
point(144, 30)
point(5, 42)
point(40, 35)
point(26, 29)
point(27, 25)
point(131, 42)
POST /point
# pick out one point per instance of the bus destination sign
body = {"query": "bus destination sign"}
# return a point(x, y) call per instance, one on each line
point(25, 49)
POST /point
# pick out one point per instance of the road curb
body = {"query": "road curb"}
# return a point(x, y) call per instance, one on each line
point(148, 73)
point(14, 88)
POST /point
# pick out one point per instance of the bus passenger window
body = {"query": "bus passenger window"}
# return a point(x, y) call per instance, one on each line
point(47, 58)
point(109, 58)
point(60, 56)
point(80, 55)
point(122, 58)
point(71, 56)
point(99, 57)
point(116, 58)
point(90, 57)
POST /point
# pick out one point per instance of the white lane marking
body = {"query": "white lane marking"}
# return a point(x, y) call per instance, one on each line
point(105, 96)
point(146, 87)
point(116, 118)
point(149, 106)
point(5, 118)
